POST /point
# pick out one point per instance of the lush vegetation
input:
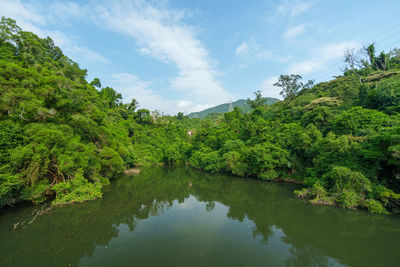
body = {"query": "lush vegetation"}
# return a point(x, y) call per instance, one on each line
point(341, 138)
point(64, 138)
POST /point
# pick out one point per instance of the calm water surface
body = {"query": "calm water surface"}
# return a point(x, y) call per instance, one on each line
point(184, 217)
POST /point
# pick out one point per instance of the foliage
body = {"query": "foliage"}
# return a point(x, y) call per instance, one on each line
point(61, 135)
point(36, 193)
point(291, 85)
point(78, 189)
point(9, 187)
point(339, 138)
point(375, 206)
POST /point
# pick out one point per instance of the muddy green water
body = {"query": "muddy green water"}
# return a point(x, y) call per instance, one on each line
point(184, 217)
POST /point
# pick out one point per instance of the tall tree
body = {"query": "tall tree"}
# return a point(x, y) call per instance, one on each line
point(291, 85)
point(257, 102)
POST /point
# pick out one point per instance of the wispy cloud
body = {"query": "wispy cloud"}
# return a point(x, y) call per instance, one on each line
point(26, 15)
point(294, 31)
point(76, 52)
point(130, 86)
point(242, 48)
point(268, 89)
point(33, 18)
point(292, 8)
point(322, 57)
point(252, 49)
point(161, 34)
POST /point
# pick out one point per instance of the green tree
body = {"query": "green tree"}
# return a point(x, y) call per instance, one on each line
point(180, 116)
point(291, 85)
point(96, 83)
point(257, 102)
point(110, 97)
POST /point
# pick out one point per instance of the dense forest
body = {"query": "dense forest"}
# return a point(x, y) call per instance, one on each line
point(62, 138)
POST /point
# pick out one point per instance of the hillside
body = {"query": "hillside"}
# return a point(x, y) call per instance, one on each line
point(62, 139)
point(340, 138)
point(223, 108)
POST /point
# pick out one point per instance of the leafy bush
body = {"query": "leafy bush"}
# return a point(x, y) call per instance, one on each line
point(375, 206)
point(9, 188)
point(233, 163)
point(36, 192)
point(343, 180)
point(78, 189)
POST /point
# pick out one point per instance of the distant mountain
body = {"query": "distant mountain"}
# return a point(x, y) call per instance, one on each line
point(223, 108)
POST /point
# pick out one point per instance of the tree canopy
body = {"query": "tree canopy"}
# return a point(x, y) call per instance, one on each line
point(63, 138)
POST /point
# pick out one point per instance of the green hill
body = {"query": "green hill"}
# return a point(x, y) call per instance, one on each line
point(62, 138)
point(223, 108)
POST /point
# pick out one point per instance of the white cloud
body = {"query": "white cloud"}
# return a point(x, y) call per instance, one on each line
point(31, 18)
point(242, 48)
point(292, 8)
point(294, 31)
point(27, 17)
point(66, 11)
point(268, 89)
point(200, 107)
point(130, 86)
point(322, 57)
point(184, 103)
point(252, 49)
point(161, 34)
point(77, 53)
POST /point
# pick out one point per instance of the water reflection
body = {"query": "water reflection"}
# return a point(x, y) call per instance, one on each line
point(180, 216)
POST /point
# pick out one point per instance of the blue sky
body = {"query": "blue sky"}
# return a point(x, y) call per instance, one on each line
point(186, 55)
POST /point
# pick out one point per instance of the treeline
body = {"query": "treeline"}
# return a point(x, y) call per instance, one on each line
point(341, 138)
point(63, 138)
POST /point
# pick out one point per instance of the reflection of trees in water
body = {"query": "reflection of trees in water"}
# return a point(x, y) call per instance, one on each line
point(74, 231)
point(306, 256)
point(210, 206)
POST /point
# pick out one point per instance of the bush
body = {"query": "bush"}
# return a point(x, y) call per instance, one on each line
point(77, 189)
point(266, 159)
point(349, 199)
point(111, 163)
point(9, 188)
point(341, 179)
point(36, 193)
point(316, 193)
point(268, 175)
point(206, 159)
point(375, 206)
point(232, 162)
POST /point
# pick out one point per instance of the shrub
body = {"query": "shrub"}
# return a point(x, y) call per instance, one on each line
point(36, 193)
point(349, 199)
point(375, 206)
point(9, 187)
point(341, 179)
point(233, 162)
point(78, 189)
point(111, 163)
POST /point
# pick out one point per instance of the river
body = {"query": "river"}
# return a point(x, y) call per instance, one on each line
point(179, 216)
